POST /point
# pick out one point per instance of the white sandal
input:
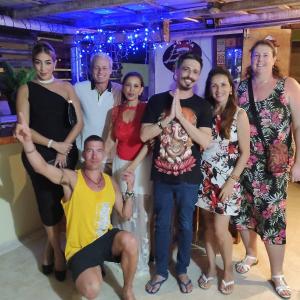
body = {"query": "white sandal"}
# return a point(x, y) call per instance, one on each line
point(241, 265)
point(224, 285)
point(282, 287)
point(204, 282)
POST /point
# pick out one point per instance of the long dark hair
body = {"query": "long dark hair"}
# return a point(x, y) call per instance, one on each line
point(228, 113)
point(275, 70)
point(132, 74)
point(43, 47)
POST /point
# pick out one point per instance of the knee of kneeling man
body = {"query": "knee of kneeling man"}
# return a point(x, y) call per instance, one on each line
point(130, 242)
point(91, 290)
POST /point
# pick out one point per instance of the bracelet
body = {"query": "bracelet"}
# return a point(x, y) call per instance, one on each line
point(234, 177)
point(30, 151)
point(50, 143)
point(160, 125)
point(129, 195)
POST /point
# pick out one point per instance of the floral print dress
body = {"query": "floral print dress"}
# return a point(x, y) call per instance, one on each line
point(264, 195)
point(218, 161)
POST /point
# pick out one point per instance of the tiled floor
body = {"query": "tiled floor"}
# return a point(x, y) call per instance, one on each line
point(20, 278)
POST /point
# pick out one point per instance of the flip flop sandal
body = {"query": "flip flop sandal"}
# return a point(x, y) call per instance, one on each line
point(282, 287)
point(245, 267)
point(224, 285)
point(153, 284)
point(183, 286)
point(204, 282)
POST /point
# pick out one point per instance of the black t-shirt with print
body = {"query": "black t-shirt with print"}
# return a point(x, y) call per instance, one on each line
point(176, 158)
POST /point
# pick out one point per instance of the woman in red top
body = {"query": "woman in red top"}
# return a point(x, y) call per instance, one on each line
point(131, 154)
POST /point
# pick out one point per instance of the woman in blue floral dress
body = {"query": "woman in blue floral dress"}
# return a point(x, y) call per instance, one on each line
point(222, 163)
point(264, 194)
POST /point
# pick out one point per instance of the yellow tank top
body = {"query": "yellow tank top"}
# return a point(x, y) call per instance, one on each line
point(87, 214)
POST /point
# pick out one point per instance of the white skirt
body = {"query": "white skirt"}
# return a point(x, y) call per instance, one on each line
point(139, 224)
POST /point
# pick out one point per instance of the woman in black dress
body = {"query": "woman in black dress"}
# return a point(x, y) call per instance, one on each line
point(44, 104)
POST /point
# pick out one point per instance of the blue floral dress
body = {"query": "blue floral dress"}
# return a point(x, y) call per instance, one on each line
point(218, 161)
point(264, 195)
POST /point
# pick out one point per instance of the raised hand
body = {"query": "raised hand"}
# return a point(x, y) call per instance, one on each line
point(171, 116)
point(22, 131)
point(176, 99)
point(128, 177)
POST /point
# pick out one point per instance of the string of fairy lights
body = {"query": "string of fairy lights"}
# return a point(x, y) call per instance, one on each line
point(117, 44)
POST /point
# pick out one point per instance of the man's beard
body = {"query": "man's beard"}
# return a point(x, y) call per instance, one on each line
point(186, 87)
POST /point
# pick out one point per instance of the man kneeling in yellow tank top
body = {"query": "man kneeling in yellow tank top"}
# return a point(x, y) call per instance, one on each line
point(89, 196)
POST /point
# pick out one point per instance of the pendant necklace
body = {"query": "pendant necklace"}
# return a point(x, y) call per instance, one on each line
point(46, 81)
point(96, 183)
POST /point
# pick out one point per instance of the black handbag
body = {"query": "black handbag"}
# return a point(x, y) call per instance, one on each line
point(72, 118)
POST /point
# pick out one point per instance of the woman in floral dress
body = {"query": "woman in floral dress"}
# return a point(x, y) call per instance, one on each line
point(264, 195)
point(222, 163)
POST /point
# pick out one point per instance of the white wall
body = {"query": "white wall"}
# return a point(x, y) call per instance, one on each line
point(140, 68)
point(18, 210)
point(164, 78)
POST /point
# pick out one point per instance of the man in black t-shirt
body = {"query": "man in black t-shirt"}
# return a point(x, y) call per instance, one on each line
point(180, 122)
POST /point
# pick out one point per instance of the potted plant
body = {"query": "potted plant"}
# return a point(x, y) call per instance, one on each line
point(11, 80)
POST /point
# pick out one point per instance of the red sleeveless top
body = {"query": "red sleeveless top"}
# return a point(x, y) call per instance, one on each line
point(127, 134)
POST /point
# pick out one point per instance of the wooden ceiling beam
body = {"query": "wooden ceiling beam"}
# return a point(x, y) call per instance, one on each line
point(253, 5)
point(70, 6)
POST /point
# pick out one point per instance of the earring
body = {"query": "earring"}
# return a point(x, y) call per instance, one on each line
point(174, 77)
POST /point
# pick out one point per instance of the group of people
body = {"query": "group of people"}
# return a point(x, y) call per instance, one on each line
point(206, 152)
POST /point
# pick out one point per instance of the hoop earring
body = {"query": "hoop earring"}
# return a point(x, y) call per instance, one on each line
point(174, 77)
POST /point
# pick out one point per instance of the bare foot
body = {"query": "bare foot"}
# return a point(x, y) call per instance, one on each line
point(127, 294)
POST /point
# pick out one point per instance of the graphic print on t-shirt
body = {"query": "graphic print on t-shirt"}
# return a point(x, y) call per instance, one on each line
point(175, 153)
point(102, 218)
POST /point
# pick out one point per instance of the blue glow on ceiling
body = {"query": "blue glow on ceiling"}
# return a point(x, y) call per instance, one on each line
point(104, 11)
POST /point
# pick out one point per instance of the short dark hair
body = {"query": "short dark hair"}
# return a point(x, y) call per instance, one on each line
point(93, 138)
point(189, 55)
point(43, 47)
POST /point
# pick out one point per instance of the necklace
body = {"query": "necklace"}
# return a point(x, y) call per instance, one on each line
point(46, 81)
point(94, 182)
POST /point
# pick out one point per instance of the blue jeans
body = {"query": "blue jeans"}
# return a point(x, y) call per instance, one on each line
point(186, 197)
